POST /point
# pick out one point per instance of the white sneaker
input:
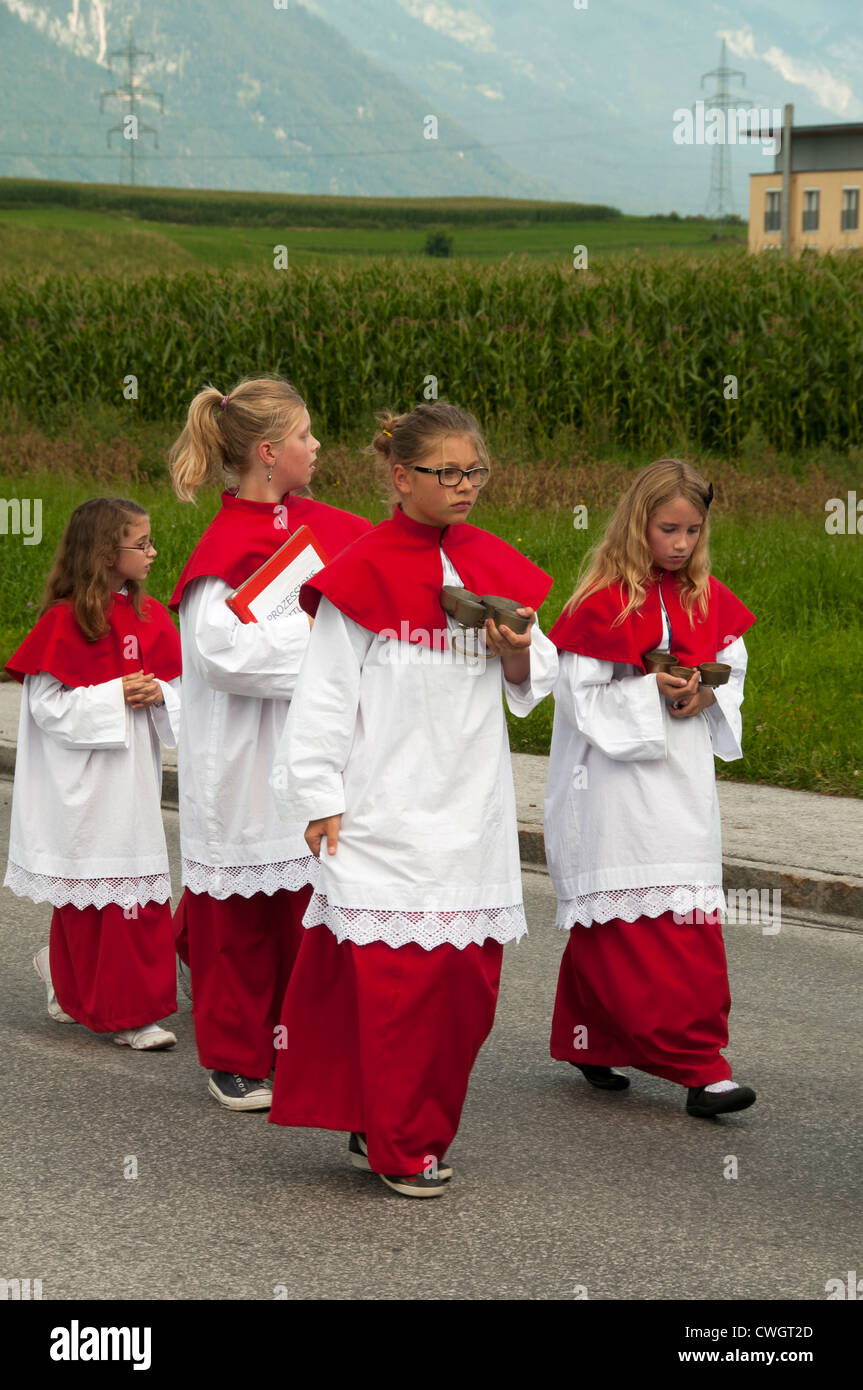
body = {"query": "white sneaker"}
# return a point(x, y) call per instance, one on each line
point(151, 1036)
point(40, 965)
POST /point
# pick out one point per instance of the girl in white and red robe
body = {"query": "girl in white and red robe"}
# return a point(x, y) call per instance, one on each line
point(631, 814)
point(100, 675)
point(247, 869)
point(396, 751)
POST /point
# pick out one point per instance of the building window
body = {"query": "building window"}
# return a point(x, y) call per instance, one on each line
point(850, 209)
point(810, 210)
point(771, 210)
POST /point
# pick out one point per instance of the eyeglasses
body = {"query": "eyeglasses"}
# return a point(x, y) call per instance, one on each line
point(143, 546)
point(452, 476)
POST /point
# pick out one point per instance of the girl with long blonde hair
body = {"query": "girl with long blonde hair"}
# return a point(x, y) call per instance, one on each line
point(632, 823)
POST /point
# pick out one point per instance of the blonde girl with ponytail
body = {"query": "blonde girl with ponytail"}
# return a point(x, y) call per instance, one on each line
point(247, 871)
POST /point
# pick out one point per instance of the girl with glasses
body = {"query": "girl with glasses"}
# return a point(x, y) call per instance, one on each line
point(100, 676)
point(396, 751)
point(247, 869)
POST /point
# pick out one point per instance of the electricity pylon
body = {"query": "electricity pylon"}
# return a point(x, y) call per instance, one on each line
point(131, 126)
point(720, 200)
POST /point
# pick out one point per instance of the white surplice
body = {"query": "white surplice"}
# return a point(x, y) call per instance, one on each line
point(409, 745)
point(238, 679)
point(632, 823)
point(86, 817)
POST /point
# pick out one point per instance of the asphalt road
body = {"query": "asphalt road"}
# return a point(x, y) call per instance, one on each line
point(557, 1188)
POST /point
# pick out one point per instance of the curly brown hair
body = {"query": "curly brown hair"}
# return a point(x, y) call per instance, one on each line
point(81, 572)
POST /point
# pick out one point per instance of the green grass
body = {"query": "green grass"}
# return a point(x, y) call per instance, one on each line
point(803, 712)
point(43, 240)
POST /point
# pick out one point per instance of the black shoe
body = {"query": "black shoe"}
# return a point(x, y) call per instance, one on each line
point(237, 1092)
point(603, 1078)
point(705, 1104)
point(359, 1156)
point(416, 1185)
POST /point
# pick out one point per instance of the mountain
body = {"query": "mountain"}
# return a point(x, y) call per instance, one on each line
point(534, 98)
point(584, 97)
point(254, 97)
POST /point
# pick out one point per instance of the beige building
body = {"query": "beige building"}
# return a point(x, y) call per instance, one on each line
point(823, 169)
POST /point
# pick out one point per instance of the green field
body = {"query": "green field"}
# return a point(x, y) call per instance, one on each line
point(577, 376)
point(39, 241)
point(803, 713)
point(635, 351)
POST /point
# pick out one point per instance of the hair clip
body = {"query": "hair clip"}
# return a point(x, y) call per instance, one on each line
point(223, 402)
point(389, 432)
point(709, 498)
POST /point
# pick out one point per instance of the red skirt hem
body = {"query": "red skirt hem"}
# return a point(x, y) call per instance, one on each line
point(651, 994)
point(382, 1041)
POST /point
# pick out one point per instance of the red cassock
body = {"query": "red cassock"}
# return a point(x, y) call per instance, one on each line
point(381, 1038)
point(651, 993)
point(382, 1041)
point(111, 967)
point(241, 948)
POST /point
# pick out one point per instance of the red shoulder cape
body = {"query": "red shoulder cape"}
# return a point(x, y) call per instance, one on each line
point(243, 534)
point(589, 629)
point(391, 578)
point(57, 645)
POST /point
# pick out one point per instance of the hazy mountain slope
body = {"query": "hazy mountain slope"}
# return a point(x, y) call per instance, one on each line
point(255, 98)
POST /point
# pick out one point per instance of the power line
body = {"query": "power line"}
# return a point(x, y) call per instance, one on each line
point(345, 154)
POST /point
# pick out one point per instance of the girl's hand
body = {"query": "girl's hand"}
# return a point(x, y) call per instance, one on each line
point(693, 704)
point(511, 647)
point(141, 689)
point(325, 828)
point(672, 687)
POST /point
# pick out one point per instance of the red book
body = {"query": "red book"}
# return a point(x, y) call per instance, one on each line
point(273, 591)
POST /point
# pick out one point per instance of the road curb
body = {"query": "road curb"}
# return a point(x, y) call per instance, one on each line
point(820, 894)
point(827, 895)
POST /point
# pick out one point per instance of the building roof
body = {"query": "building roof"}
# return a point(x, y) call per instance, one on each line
point(842, 128)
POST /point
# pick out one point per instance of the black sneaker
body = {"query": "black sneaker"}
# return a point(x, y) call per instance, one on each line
point(705, 1104)
point(416, 1185)
point(359, 1156)
point(237, 1092)
point(603, 1078)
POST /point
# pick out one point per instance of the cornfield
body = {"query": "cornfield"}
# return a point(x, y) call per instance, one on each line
point(217, 207)
point(640, 352)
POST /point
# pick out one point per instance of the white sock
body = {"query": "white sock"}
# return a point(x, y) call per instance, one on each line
point(722, 1086)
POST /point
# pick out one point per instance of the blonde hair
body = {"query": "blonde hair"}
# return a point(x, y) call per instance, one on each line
point(256, 409)
point(82, 566)
point(407, 438)
point(624, 555)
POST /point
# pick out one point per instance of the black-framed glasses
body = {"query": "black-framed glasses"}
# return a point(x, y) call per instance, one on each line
point(450, 476)
point(143, 546)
